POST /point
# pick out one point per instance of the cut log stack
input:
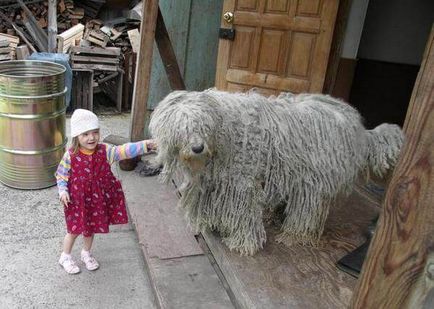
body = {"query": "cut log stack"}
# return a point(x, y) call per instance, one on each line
point(8, 45)
point(68, 14)
point(91, 7)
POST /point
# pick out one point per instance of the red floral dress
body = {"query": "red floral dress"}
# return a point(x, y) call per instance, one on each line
point(97, 199)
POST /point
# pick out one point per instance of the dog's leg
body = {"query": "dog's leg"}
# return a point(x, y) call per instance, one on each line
point(248, 236)
point(305, 216)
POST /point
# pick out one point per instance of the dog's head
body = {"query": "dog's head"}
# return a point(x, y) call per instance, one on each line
point(184, 125)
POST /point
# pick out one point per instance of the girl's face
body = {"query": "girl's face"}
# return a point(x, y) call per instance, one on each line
point(89, 140)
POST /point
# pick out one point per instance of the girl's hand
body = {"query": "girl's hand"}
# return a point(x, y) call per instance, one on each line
point(151, 145)
point(64, 199)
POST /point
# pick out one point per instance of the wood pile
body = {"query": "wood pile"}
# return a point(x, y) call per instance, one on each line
point(8, 45)
point(100, 52)
point(91, 7)
point(68, 14)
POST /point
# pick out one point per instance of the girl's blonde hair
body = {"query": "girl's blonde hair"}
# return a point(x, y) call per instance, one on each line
point(75, 144)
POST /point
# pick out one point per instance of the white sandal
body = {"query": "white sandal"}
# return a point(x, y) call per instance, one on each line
point(90, 262)
point(68, 264)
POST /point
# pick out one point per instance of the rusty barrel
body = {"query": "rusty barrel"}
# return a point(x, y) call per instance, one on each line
point(32, 122)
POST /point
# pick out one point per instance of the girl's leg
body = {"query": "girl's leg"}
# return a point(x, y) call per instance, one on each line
point(86, 257)
point(66, 259)
point(87, 243)
point(68, 242)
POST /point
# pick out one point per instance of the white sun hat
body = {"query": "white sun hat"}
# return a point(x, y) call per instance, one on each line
point(83, 120)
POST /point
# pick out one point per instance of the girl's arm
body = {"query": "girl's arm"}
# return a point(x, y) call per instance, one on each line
point(129, 150)
point(62, 173)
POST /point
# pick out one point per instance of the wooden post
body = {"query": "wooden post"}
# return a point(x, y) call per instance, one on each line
point(337, 44)
point(399, 268)
point(139, 111)
point(52, 26)
point(152, 27)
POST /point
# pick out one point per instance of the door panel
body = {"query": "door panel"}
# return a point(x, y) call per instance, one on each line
point(279, 45)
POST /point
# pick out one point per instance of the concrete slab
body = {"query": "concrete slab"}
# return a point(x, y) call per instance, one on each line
point(32, 278)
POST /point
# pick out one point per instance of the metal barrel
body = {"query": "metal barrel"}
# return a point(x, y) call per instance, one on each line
point(32, 122)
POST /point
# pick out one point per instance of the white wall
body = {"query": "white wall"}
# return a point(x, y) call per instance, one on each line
point(353, 33)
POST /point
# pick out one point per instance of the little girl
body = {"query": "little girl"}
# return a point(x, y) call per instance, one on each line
point(92, 196)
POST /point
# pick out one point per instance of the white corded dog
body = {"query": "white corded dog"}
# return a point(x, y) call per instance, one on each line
point(240, 153)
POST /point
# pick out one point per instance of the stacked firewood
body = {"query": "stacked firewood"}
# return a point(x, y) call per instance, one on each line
point(68, 15)
point(69, 12)
point(91, 7)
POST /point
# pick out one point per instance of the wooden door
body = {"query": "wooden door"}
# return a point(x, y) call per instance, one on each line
point(279, 45)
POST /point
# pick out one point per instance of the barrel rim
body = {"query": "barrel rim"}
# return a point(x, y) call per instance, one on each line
point(33, 62)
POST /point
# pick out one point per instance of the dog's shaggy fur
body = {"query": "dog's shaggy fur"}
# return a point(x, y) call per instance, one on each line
point(240, 153)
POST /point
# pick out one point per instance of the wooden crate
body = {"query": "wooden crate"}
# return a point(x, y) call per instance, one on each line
point(8, 45)
point(82, 89)
point(95, 58)
point(69, 38)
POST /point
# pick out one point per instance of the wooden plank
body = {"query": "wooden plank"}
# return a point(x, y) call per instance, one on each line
point(6, 57)
point(37, 33)
point(71, 32)
point(69, 37)
point(109, 51)
point(399, 269)
point(134, 37)
point(298, 277)
point(163, 229)
point(139, 112)
point(168, 55)
point(101, 67)
point(10, 38)
point(78, 58)
point(180, 274)
point(97, 41)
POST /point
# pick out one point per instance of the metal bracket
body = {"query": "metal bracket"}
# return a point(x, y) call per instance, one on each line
point(227, 34)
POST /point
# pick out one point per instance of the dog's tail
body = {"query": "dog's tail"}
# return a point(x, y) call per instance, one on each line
point(384, 145)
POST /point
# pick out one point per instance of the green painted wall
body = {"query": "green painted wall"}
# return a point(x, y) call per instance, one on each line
point(193, 29)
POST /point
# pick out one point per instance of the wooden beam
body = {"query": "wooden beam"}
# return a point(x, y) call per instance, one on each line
point(336, 47)
point(32, 25)
point(399, 268)
point(168, 55)
point(52, 26)
point(139, 111)
point(18, 30)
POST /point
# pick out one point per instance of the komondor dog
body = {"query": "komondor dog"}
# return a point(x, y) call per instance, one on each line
point(239, 154)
